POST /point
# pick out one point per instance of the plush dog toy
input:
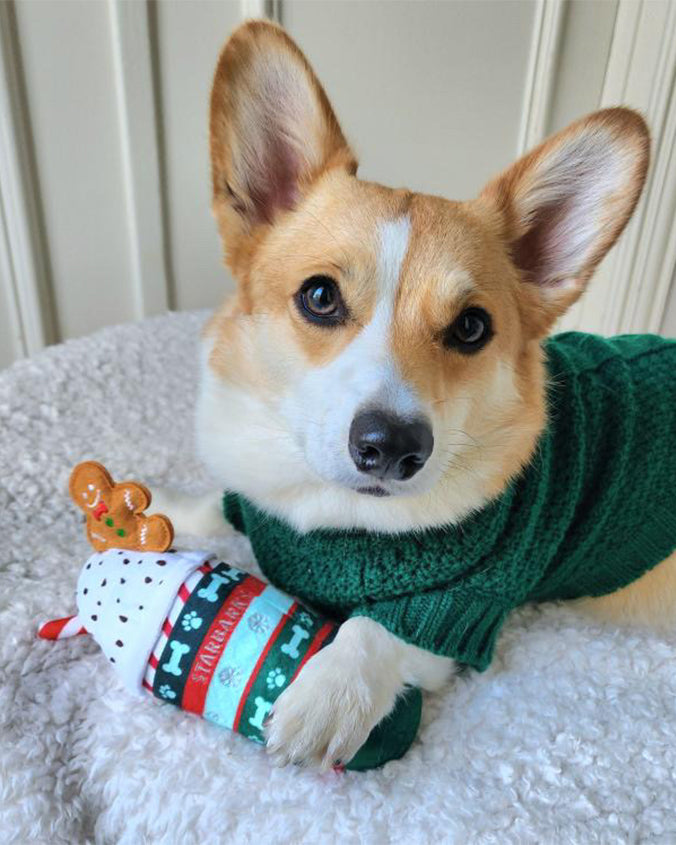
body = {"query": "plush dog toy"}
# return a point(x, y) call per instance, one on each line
point(192, 630)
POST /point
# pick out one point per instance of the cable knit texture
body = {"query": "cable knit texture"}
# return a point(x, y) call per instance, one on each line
point(594, 510)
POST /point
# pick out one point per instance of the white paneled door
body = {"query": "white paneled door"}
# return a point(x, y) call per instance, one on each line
point(104, 175)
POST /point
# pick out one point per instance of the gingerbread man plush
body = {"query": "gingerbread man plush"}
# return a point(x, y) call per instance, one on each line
point(192, 630)
point(114, 512)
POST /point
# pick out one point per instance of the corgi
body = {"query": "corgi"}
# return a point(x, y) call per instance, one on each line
point(380, 366)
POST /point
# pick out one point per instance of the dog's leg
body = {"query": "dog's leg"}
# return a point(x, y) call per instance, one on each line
point(327, 713)
point(649, 601)
point(197, 515)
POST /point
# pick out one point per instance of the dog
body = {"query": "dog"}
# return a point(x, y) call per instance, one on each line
point(380, 367)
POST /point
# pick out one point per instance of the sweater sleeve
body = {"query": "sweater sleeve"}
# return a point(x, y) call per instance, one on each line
point(452, 622)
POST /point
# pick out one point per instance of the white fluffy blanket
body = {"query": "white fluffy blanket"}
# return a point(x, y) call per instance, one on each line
point(569, 737)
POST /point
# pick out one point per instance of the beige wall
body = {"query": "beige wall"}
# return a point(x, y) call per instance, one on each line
point(669, 320)
point(189, 37)
point(433, 95)
point(416, 100)
point(67, 62)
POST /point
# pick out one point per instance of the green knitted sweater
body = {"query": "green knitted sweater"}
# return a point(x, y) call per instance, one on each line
point(594, 510)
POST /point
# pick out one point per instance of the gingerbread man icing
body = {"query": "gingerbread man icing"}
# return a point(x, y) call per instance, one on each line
point(114, 512)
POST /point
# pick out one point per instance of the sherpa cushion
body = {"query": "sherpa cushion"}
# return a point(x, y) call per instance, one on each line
point(570, 736)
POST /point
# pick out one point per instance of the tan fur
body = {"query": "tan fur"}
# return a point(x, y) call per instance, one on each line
point(478, 253)
point(509, 192)
point(319, 238)
point(649, 601)
point(247, 53)
point(427, 304)
point(299, 246)
point(328, 229)
point(279, 392)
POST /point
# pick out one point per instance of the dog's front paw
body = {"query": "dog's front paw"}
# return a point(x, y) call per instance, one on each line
point(198, 516)
point(327, 713)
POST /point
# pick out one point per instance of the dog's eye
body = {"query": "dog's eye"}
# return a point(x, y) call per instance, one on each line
point(470, 331)
point(319, 301)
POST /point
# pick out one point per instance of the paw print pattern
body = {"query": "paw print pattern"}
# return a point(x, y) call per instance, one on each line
point(230, 676)
point(167, 692)
point(276, 679)
point(259, 623)
point(305, 619)
point(191, 621)
point(213, 716)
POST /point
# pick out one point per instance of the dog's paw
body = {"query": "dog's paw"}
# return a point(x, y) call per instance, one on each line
point(197, 516)
point(327, 713)
point(324, 717)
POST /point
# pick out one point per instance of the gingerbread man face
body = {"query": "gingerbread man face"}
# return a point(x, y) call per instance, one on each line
point(115, 518)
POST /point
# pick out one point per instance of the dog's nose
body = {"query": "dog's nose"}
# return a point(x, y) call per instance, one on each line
point(386, 446)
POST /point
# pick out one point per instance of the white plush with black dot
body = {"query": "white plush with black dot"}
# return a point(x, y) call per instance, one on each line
point(123, 598)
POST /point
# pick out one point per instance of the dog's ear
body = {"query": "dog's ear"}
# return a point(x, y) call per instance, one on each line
point(272, 132)
point(562, 206)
